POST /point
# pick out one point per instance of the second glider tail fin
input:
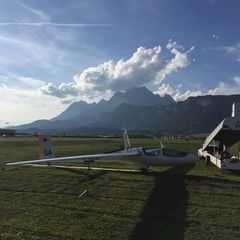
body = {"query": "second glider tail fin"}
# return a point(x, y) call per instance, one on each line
point(126, 140)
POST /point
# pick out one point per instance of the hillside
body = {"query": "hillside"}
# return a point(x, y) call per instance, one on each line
point(140, 110)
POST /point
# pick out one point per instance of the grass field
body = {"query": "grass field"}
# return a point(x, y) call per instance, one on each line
point(185, 202)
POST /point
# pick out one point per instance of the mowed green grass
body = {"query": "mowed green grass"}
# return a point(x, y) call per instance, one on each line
point(175, 202)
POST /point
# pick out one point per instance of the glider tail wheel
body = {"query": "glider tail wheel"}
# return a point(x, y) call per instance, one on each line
point(144, 170)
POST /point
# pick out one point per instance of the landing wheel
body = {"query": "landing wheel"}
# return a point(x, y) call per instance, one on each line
point(144, 170)
point(207, 160)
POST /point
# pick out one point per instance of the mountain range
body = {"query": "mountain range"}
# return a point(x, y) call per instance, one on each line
point(141, 111)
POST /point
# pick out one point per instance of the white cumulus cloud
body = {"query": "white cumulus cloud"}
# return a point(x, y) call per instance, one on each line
point(176, 93)
point(62, 91)
point(146, 65)
point(222, 89)
point(226, 88)
point(179, 61)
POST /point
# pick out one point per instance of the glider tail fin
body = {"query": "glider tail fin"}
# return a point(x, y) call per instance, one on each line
point(45, 147)
point(126, 140)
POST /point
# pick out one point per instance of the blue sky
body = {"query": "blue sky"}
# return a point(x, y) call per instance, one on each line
point(55, 52)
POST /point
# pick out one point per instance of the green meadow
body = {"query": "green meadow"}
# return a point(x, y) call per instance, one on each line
point(175, 202)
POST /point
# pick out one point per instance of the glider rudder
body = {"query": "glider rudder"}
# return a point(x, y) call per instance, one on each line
point(45, 147)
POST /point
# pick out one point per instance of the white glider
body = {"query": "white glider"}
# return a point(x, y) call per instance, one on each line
point(142, 157)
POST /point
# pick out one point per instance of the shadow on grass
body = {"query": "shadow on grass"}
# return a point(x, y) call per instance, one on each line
point(233, 172)
point(214, 181)
point(84, 175)
point(164, 214)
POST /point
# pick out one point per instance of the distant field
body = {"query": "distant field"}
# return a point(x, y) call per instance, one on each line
point(191, 202)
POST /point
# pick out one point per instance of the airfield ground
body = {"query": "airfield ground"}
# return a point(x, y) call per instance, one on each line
point(191, 202)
